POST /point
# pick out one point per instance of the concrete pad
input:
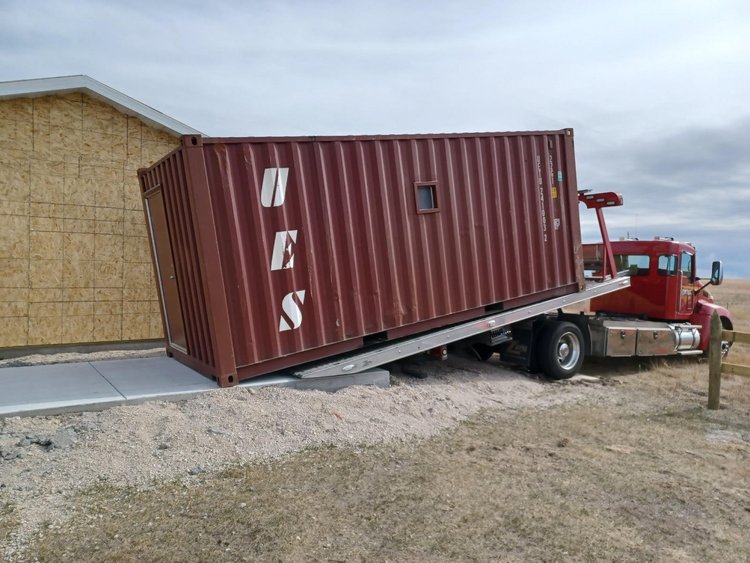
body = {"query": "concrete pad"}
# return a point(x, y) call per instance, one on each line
point(377, 377)
point(151, 378)
point(54, 388)
point(331, 384)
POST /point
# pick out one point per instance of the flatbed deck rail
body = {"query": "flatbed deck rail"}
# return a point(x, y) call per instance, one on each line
point(373, 357)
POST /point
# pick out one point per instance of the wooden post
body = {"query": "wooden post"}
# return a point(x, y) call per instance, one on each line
point(714, 362)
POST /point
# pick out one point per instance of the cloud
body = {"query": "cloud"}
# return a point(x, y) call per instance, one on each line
point(692, 184)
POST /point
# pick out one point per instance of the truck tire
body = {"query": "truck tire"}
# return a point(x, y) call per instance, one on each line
point(726, 324)
point(561, 350)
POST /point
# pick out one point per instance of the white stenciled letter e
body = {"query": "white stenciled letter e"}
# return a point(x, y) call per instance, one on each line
point(283, 250)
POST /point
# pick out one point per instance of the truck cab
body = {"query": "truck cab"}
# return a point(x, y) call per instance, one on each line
point(663, 284)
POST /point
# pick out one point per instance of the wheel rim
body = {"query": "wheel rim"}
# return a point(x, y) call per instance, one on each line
point(725, 346)
point(568, 350)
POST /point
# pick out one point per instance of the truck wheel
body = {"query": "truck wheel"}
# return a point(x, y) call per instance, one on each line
point(725, 344)
point(561, 350)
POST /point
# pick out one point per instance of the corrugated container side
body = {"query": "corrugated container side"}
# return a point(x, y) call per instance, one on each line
point(320, 245)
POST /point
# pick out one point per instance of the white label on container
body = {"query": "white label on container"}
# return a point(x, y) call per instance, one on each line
point(540, 189)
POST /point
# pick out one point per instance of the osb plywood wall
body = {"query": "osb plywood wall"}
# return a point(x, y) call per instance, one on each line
point(74, 258)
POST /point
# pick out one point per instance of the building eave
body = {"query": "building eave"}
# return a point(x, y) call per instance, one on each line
point(82, 83)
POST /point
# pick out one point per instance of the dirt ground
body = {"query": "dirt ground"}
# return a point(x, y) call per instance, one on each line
point(474, 463)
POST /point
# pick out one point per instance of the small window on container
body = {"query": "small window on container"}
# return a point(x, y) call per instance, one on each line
point(426, 194)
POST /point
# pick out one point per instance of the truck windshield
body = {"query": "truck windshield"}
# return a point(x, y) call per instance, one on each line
point(632, 264)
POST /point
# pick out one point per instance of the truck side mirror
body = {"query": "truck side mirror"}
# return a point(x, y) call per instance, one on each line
point(717, 273)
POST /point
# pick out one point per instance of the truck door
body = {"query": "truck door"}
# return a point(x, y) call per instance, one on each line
point(687, 296)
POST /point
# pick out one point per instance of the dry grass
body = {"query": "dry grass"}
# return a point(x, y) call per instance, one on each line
point(641, 472)
point(735, 296)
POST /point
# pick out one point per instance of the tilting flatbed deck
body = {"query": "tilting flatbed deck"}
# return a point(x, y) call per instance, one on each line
point(403, 348)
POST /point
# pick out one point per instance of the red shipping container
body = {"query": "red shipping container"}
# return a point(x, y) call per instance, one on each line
point(271, 252)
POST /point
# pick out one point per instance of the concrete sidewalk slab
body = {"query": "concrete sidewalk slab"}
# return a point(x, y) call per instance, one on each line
point(149, 378)
point(54, 388)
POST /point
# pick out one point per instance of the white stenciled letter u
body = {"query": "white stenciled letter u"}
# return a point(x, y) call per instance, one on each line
point(291, 310)
point(273, 190)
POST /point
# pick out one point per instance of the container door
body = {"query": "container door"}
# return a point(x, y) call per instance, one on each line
point(165, 271)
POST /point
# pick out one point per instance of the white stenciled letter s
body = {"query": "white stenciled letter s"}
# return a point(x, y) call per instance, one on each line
point(291, 310)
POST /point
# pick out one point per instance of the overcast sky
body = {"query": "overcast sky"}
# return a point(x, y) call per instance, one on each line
point(658, 92)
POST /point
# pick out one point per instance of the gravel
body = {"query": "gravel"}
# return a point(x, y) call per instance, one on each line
point(44, 461)
point(68, 357)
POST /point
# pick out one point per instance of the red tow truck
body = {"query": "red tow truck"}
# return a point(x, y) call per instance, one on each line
point(664, 311)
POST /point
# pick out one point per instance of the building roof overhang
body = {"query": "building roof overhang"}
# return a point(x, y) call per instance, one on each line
point(82, 83)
